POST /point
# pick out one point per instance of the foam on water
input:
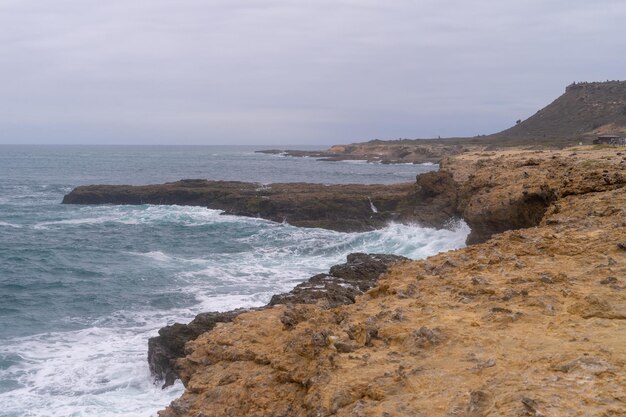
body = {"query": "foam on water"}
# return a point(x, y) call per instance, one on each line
point(5, 224)
point(83, 288)
point(92, 372)
point(355, 161)
point(142, 214)
point(101, 370)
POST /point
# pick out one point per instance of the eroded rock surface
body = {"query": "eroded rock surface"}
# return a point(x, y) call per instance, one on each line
point(507, 190)
point(340, 286)
point(342, 283)
point(531, 322)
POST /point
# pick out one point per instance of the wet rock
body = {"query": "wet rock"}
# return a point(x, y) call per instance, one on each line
point(342, 207)
point(169, 345)
point(343, 283)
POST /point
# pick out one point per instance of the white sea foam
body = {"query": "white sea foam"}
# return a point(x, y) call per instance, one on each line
point(299, 253)
point(92, 372)
point(102, 370)
point(99, 371)
point(145, 214)
point(5, 224)
point(355, 161)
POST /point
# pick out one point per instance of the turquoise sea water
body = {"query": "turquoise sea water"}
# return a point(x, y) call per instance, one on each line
point(82, 288)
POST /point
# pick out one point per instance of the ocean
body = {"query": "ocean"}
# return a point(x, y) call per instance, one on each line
point(82, 288)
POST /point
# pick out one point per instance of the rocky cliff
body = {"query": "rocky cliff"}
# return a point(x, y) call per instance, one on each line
point(530, 323)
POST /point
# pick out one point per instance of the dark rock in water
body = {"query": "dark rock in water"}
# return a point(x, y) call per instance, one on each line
point(340, 286)
point(340, 207)
point(343, 282)
point(436, 198)
point(169, 345)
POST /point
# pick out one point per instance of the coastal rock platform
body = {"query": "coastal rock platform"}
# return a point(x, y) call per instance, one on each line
point(531, 322)
point(344, 208)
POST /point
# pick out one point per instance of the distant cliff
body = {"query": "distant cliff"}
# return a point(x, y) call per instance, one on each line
point(583, 112)
point(585, 109)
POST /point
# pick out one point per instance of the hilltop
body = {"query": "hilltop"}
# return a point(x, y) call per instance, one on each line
point(584, 111)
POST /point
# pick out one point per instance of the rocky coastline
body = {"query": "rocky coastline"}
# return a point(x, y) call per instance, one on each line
point(528, 320)
point(344, 208)
point(383, 152)
point(339, 286)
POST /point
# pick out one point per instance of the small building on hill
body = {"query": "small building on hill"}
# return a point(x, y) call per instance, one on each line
point(610, 140)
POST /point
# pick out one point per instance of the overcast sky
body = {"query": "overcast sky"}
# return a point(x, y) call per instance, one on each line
point(290, 72)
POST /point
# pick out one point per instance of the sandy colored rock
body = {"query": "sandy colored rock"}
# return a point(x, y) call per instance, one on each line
point(506, 190)
point(341, 285)
point(520, 325)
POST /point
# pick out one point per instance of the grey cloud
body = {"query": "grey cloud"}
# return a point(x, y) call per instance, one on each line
point(281, 71)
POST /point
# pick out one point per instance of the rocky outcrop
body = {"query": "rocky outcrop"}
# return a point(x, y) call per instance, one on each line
point(169, 345)
point(342, 283)
point(340, 286)
point(529, 323)
point(385, 152)
point(345, 208)
point(436, 198)
point(492, 191)
point(501, 191)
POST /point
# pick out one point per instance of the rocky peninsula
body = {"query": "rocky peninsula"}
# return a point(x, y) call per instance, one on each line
point(345, 208)
point(528, 320)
